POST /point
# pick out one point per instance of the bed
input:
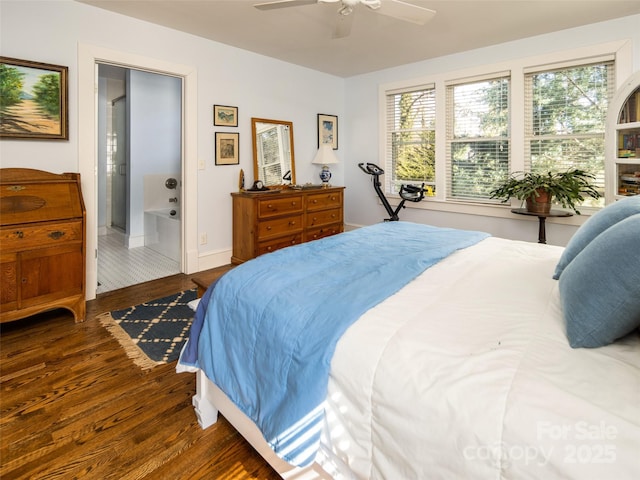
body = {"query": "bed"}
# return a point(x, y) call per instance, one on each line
point(463, 370)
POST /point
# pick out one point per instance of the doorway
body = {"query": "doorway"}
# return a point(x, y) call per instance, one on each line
point(139, 176)
point(88, 56)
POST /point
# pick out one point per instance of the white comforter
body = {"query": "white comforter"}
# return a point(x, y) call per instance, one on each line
point(467, 373)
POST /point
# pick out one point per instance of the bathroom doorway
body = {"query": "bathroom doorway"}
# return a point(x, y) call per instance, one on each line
point(139, 176)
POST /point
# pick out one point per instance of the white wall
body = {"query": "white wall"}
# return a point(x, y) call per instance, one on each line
point(51, 32)
point(363, 139)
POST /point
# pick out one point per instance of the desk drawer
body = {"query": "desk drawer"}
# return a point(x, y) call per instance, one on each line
point(324, 217)
point(280, 226)
point(273, 245)
point(23, 237)
point(321, 201)
point(318, 233)
point(269, 207)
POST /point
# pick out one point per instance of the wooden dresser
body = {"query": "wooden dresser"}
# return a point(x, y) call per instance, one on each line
point(265, 222)
point(42, 243)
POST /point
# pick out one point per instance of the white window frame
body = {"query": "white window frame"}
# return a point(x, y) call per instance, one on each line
point(390, 185)
point(623, 65)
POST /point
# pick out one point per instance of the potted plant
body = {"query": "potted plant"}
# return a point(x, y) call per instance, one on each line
point(539, 189)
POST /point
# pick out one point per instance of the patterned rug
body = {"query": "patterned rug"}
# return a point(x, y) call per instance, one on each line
point(152, 333)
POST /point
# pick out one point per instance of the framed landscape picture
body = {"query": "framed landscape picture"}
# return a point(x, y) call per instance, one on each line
point(225, 116)
point(328, 130)
point(227, 148)
point(33, 100)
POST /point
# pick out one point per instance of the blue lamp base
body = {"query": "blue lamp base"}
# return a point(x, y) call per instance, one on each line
point(325, 176)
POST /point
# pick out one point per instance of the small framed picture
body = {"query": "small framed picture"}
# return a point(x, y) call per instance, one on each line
point(227, 148)
point(225, 116)
point(34, 100)
point(328, 130)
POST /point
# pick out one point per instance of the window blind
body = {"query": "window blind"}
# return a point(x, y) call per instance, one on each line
point(477, 132)
point(410, 142)
point(565, 116)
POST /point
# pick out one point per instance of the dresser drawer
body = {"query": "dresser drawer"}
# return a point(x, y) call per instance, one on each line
point(21, 237)
point(318, 233)
point(280, 226)
point(273, 245)
point(320, 201)
point(324, 217)
point(269, 207)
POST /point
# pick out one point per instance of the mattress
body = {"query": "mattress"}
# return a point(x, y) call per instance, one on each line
point(467, 373)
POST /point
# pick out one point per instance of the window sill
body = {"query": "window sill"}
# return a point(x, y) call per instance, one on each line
point(485, 210)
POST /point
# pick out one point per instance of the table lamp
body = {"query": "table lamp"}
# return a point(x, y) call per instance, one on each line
point(325, 157)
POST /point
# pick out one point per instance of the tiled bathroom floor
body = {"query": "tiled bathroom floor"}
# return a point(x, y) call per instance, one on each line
point(119, 267)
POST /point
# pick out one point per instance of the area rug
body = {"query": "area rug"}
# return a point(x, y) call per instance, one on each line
point(152, 333)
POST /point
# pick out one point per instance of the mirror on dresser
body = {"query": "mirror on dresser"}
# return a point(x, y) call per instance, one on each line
point(273, 155)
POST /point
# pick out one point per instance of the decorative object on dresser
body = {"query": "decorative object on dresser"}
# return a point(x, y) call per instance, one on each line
point(273, 152)
point(325, 157)
point(264, 222)
point(42, 243)
point(34, 100)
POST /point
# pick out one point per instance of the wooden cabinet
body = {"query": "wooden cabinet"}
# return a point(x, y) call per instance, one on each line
point(42, 243)
point(265, 222)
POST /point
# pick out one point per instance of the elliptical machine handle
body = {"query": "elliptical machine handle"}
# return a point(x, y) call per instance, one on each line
point(371, 168)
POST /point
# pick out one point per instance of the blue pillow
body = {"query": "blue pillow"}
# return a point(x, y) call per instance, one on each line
point(594, 226)
point(600, 288)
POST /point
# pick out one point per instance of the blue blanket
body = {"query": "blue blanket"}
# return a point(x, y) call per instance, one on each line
point(271, 325)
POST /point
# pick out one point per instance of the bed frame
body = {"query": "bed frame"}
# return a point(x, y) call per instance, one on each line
point(209, 400)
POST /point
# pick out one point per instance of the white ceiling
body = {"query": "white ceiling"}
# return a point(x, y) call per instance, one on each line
point(303, 35)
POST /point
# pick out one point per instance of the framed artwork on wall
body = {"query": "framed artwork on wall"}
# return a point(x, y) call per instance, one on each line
point(225, 116)
point(227, 148)
point(328, 130)
point(33, 100)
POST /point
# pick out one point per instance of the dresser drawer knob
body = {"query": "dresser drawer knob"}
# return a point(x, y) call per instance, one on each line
point(293, 204)
point(269, 248)
point(269, 227)
point(333, 198)
point(269, 206)
point(56, 235)
point(292, 222)
point(315, 200)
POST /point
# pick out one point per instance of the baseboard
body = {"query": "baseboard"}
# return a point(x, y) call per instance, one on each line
point(214, 259)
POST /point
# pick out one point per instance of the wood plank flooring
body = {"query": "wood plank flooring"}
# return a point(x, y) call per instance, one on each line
point(73, 405)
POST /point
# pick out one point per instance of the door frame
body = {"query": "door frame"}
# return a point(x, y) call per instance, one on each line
point(88, 58)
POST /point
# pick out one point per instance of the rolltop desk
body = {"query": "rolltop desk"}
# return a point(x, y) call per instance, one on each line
point(42, 243)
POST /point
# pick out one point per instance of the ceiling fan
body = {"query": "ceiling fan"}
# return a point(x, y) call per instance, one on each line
point(390, 8)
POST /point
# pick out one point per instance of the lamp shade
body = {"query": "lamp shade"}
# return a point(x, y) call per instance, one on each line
point(325, 155)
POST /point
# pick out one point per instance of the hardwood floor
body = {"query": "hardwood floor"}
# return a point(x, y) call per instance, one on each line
point(74, 406)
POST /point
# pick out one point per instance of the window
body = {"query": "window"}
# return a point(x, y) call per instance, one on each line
point(477, 137)
point(410, 142)
point(565, 112)
point(542, 113)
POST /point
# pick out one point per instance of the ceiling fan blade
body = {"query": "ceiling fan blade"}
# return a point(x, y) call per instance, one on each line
point(283, 4)
point(405, 11)
point(343, 26)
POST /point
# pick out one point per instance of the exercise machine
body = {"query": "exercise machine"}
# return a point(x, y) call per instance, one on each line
point(411, 193)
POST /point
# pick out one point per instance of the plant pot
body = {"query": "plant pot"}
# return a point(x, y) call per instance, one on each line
point(540, 203)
